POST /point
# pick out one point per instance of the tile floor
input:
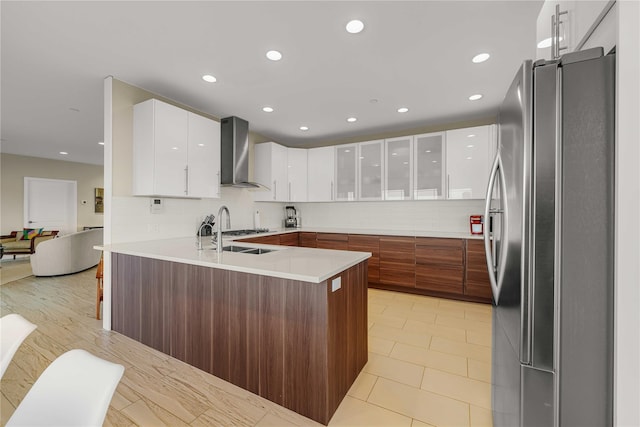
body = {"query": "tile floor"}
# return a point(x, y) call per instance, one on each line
point(429, 364)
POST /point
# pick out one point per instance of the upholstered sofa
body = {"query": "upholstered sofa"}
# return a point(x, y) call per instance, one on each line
point(12, 244)
point(67, 254)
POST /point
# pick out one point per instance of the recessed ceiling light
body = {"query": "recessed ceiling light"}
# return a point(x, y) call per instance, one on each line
point(355, 26)
point(475, 97)
point(64, 153)
point(481, 57)
point(267, 109)
point(468, 158)
point(274, 55)
point(376, 165)
point(174, 148)
point(305, 128)
point(434, 161)
point(471, 135)
point(100, 143)
point(428, 151)
point(405, 163)
point(200, 145)
point(546, 42)
point(394, 154)
point(347, 151)
point(403, 110)
point(361, 157)
point(351, 119)
point(470, 146)
point(209, 78)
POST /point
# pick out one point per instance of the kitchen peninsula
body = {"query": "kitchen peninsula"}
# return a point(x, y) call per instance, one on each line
point(289, 325)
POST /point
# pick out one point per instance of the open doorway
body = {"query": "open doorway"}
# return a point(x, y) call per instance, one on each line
point(51, 204)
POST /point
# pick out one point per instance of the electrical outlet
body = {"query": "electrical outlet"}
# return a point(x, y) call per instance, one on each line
point(336, 284)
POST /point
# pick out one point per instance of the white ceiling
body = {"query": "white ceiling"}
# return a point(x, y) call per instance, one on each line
point(55, 56)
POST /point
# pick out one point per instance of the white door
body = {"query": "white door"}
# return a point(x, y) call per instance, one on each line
point(51, 204)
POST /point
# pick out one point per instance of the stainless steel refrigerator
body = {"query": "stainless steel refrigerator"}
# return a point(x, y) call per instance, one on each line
point(550, 208)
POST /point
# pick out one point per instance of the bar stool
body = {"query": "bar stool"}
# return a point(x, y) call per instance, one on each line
point(75, 390)
point(99, 286)
point(13, 330)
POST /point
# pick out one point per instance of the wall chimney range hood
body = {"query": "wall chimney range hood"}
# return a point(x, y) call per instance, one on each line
point(234, 153)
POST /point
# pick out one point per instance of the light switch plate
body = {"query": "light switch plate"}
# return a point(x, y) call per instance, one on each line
point(336, 284)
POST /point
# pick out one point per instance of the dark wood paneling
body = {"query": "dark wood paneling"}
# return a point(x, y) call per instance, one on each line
point(477, 276)
point(333, 244)
point(266, 240)
point(441, 278)
point(436, 241)
point(397, 261)
point(290, 239)
point(440, 255)
point(397, 273)
point(308, 240)
point(367, 243)
point(305, 349)
point(244, 327)
point(271, 336)
point(333, 236)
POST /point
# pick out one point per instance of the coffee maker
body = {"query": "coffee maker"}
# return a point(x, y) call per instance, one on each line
point(291, 219)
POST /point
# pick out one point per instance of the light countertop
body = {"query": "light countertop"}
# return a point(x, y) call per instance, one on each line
point(375, 232)
point(304, 264)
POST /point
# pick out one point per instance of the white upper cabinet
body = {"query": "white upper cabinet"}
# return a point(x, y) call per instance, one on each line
point(429, 163)
point(346, 172)
point(320, 174)
point(166, 141)
point(203, 155)
point(370, 172)
point(399, 168)
point(297, 174)
point(468, 153)
point(578, 20)
point(270, 170)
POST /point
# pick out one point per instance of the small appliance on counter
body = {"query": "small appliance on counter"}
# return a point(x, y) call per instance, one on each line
point(476, 224)
point(291, 218)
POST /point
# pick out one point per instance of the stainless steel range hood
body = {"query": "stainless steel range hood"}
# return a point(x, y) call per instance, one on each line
point(234, 153)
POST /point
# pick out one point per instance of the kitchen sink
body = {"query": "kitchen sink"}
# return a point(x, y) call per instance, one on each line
point(246, 250)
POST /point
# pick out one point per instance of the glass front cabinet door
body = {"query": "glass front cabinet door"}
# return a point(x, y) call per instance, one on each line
point(429, 165)
point(399, 168)
point(346, 172)
point(370, 175)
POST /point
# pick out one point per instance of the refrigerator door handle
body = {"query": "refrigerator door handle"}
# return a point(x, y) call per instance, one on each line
point(489, 250)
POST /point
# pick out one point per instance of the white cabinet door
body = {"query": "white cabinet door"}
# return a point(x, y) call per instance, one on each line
point(160, 149)
point(297, 174)
point(270, 170)
point(399, 168)
point(370, 171)
point(320, 174)
point(204, 157)
point(576, 25)
point(428, 183)
point(468, 162)
point(346, 172)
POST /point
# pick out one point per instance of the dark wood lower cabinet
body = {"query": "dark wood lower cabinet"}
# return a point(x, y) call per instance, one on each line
point(440, 265)
point(365, 243)
point(397, 261)
point(308, 240)
point(477, 281)
point(335, 241)
point(295, 343)
point(290, 239)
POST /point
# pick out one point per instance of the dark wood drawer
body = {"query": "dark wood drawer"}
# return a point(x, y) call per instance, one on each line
point(365, 243)
point(267, 240)
point(308, 240)
point(475, 245)
point(399, 274)
point(439, 255)
point(435, 241)
point(398, 250)
point(332, 244)
point(440, 278)
point(289, 239)
point(333, 236)
point(373, 273)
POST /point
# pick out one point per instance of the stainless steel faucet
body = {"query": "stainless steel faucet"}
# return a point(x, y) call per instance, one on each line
point(204, 224)
point(222, 209)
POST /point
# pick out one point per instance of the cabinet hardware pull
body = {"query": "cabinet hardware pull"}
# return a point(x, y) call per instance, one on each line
point(555, 33)
point(275, 190)
point(289, 190)
point(186, 180)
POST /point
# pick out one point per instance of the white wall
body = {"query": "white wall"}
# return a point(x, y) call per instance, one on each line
point(627, 349)
point(15, 168)
point(425, 215)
